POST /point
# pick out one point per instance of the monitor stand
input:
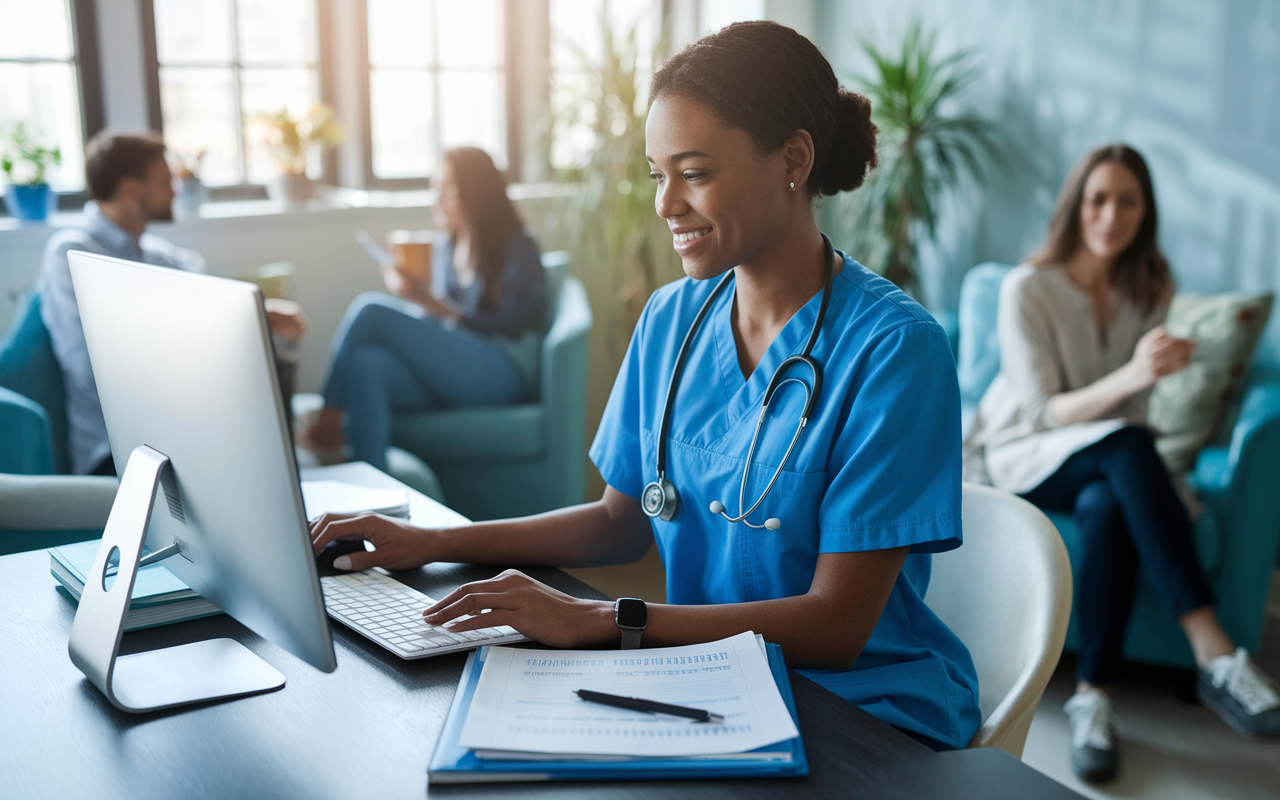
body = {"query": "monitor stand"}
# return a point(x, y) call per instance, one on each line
point(213, 669)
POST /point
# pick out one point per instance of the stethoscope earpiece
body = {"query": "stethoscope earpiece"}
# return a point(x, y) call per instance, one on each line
point(659, 498)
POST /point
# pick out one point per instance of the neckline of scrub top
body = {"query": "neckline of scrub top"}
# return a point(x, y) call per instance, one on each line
point(746, 394)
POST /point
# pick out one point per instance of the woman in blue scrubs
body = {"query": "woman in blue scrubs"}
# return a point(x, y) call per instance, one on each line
point(746, 128)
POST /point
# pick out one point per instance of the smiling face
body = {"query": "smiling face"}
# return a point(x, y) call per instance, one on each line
point(723, 199)
point(1111, 211)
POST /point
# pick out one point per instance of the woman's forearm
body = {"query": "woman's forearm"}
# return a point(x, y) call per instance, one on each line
point(611, 530)
point(1097, 399)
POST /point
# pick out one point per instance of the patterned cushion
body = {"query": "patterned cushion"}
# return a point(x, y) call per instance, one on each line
point(1188, 407)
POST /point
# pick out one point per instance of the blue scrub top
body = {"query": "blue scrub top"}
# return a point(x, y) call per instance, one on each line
point(877, 467)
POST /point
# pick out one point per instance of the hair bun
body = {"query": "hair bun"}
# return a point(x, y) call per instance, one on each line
point(853, 146)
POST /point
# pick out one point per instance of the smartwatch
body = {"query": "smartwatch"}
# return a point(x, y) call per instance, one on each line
point(631, 616)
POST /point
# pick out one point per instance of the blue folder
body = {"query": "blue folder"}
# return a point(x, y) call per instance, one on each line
point(453, 763)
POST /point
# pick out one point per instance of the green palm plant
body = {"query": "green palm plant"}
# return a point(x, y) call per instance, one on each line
point(612, 213)
point(928, 146)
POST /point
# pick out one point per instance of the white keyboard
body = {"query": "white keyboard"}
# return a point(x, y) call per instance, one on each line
point(387, 612)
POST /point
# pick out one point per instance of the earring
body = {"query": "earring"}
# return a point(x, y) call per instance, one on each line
point(791, 187)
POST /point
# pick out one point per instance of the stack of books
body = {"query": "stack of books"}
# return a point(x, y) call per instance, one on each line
point(159, 596)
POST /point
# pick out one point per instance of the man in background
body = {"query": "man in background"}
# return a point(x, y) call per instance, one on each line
point(131, 185)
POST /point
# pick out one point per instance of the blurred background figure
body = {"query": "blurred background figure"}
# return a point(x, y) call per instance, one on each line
point(131, 186)
point(465, 333)
point(1082, 342)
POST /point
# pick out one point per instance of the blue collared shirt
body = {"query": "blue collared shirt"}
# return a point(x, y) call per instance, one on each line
point(87, 430)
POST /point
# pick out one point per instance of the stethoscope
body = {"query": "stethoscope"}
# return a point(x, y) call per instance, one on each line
point(660, 498)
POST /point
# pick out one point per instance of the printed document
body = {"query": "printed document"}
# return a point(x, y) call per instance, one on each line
point(525, 701)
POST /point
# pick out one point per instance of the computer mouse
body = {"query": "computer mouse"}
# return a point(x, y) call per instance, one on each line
point(338, 547)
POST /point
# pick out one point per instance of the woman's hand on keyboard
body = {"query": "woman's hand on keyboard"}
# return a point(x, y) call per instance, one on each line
point(532, 608)
point(398, 545)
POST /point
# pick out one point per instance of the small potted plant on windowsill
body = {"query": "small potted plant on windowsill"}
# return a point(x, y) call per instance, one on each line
point(26, 194)
point(291, 139)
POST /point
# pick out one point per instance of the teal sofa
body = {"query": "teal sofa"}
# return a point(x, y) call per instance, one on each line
point(1237, 536)
point(505, 461)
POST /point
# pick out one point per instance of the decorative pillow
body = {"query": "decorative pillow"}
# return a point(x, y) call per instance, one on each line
point(1187, 407)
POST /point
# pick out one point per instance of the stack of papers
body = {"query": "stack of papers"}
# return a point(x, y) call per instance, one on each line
point(516, 715)
point(335, 497)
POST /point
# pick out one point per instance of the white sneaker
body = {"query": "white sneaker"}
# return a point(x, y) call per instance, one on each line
point(1241, 694)
point(1095, 755)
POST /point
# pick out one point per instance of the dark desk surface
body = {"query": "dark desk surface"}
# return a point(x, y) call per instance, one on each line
point(368, 729)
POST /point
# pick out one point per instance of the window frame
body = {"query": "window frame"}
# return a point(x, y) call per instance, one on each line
point(86, 59)
point(511, 86)
point(324, 78)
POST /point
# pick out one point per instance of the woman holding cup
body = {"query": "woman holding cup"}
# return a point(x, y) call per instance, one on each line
point(462, 328)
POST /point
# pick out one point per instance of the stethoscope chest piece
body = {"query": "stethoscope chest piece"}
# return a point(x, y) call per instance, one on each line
point(660, 500)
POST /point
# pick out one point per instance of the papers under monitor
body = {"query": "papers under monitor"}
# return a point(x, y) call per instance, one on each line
point(337, 497)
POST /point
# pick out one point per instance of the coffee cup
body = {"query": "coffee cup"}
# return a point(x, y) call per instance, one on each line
point(412, 253)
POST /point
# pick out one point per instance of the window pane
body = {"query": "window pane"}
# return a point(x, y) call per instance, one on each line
point(575, 33)
point(200, 114)
point(46, 98)
point(401, 106)
point(470, 33)
point(471, 113)
point(400, 33)
point(574, 134)
point(267, 91)
point(35, 29)
point(193, 31)
point(277, 31)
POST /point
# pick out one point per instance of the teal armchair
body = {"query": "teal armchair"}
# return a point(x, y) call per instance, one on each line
point(40, 506)
point(502, 461)
point(1237, 536)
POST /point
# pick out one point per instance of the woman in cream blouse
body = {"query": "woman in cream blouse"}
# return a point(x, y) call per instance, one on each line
point(1081, 344)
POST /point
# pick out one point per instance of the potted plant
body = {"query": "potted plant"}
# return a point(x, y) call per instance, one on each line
point(191, 190)
point(24, 161)
point(610, 214)
point(929, 145)
point(291, 139)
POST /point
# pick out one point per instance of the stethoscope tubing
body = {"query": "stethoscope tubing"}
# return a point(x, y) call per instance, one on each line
point(778, 380)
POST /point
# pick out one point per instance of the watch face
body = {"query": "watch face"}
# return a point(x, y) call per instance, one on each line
point(631, 612)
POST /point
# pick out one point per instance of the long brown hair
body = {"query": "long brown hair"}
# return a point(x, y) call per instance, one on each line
point(1141, 271)
point(488, 214)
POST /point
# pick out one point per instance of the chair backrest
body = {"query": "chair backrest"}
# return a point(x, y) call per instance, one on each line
point(1007, 594)
point(979, 357)
point(29, 367)
point(556, 264)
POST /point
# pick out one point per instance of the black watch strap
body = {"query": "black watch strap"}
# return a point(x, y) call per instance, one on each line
point(631, 616)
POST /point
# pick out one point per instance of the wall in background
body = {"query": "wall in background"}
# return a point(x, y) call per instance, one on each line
point(1194, 86)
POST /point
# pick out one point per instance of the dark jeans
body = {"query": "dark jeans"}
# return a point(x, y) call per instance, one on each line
point(1128, 513)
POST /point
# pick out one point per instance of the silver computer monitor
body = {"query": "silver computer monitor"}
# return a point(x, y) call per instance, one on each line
point(184, 366)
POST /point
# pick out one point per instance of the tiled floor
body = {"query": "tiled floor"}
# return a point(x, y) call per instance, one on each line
point(1170, 749)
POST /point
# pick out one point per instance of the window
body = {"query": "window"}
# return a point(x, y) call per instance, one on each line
point(223, 62)
point(437, 79)
point(41, 78)
point(578, 38)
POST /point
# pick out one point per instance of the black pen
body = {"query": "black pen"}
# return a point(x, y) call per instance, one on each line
point(647, 706)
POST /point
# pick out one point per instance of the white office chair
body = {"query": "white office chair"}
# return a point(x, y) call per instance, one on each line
point(1007, 594)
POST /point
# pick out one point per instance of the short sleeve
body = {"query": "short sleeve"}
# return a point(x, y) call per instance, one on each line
point(616, 449)
point(1027, 354)
point(895, 465)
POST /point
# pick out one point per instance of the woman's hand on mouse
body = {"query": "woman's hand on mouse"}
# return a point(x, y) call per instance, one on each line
point(534, 609)
point(398, 545)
